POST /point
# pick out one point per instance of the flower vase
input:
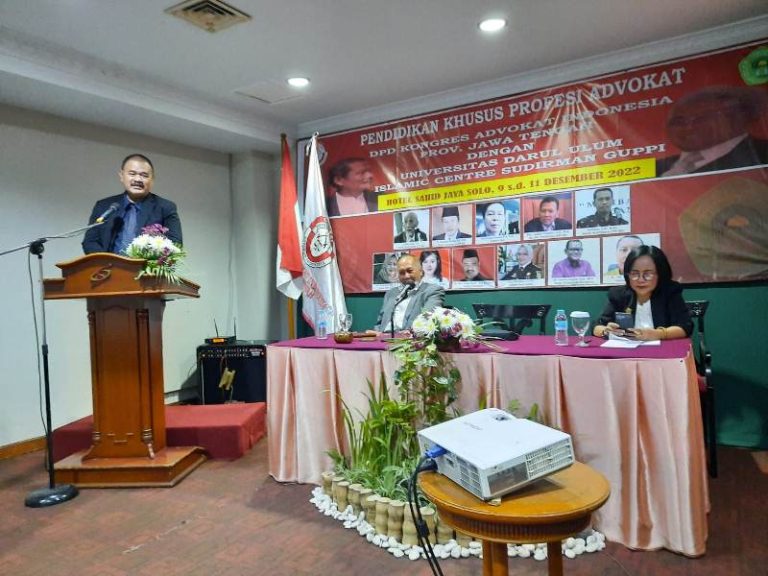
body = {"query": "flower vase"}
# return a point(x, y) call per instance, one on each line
point(369, 505)
point(444, 532)
point(327, 477)
point(354, 497)
point(342, 495)
point(395, 512)
point(335, 488)
point(429, 518)
point(463, 539)
point(410, 538)
point(382, 507)
point(448, 344)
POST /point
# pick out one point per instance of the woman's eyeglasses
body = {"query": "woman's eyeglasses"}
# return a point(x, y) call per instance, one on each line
point(647, 275)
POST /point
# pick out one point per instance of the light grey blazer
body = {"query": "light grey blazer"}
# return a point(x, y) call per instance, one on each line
point(425, 296)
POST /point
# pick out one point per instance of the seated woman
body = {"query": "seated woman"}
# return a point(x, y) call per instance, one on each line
point(654, 300)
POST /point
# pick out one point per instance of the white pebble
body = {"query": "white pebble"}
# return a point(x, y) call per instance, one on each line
point(414, 555)
point(524, 553)
point(475, 544)
point(465, 552)
point(592, 547)
point(511, 551)
point(570, 542)
point(397, 553)
point(540, 554)
point(455, 552)
point(570, 553)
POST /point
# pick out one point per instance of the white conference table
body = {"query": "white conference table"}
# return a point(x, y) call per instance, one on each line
point(634, 415)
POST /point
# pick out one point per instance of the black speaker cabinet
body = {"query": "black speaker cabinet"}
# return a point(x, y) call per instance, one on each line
point(246, 358)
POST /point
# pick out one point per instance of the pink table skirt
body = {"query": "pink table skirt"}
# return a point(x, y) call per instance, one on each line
point(636, 420)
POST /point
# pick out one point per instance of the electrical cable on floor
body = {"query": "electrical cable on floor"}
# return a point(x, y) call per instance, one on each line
point(422, 530)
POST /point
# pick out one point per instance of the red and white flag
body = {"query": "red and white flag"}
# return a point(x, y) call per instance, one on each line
point(323, 292)
point(289, 262)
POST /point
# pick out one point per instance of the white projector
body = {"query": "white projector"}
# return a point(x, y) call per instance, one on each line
point(491, 453)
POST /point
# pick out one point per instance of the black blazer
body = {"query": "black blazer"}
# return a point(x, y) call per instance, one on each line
point(535, 225)
point(667, 306)
point(154, 210)
point(332, 205)
point(420, 237)
point(748, 152)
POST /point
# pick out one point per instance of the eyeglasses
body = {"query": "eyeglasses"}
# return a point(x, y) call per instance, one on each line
point(647, 275)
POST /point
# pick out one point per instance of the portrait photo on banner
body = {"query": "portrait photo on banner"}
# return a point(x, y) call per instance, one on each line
point(384, 271)
point(436, 265)
point(452, 225)
point(410, 228)
point(497, 221)
point(547, 216)
point(616, 249)
point(574, 262)
point(602, 210)
point(521, 265)
point(473, 268)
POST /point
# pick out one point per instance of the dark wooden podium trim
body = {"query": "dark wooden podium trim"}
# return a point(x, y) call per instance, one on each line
point(125, 316)
point(169, 467)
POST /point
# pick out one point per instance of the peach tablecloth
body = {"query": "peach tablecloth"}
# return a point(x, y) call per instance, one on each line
point(636, 420)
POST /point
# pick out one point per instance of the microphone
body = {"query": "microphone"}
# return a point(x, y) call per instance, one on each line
point(114, 207)
point(403, 294)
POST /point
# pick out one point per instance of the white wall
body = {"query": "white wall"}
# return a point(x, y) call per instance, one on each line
point(52, 170)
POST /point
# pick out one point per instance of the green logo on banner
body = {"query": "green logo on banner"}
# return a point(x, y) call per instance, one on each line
point(754, 68)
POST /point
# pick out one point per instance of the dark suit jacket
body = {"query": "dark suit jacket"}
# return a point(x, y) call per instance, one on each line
point(749, 152)
point(535, 225)
point(426, 296)
point(420, 237)
point(333, 206)
point(667, 306)
point(459, 235)
point(154, 210)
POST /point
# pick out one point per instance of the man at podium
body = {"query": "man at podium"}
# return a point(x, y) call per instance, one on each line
point(124, 215)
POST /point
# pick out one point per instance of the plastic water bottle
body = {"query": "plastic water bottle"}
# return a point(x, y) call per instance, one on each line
point(321, 331)
point(561, 328)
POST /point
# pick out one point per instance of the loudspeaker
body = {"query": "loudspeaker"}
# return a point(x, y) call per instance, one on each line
point(248, 360)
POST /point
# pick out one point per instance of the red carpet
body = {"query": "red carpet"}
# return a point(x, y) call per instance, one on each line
point(225, 431)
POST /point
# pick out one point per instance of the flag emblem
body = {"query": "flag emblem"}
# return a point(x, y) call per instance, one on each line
point(318, 243)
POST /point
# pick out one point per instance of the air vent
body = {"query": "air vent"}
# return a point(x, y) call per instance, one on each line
point(210, 15)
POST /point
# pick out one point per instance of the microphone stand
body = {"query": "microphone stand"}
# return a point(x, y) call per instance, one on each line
point(53, 494)
point(400, 298)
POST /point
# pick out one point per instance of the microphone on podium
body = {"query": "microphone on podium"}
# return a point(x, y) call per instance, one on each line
point(114, 207)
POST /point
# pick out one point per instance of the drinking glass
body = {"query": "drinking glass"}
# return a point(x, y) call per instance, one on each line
point(345, 322)
point(580, 323)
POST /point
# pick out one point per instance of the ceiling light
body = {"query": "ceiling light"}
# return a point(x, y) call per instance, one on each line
point(298, 82)
point(492, 24)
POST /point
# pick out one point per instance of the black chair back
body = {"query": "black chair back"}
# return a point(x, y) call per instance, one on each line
point(516, 317)
point(698, 309)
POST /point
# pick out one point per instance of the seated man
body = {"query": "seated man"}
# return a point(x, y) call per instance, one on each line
point(402, 304)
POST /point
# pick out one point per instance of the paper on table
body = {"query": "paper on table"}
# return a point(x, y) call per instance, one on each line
point(620, 343)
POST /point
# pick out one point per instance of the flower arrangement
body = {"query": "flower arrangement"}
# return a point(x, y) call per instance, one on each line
point(162, 256)
point(443, 326)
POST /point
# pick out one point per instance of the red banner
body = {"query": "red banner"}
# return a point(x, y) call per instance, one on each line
point(672, 154)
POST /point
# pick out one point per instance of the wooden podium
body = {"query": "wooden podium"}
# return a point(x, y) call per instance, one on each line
point(125, 318)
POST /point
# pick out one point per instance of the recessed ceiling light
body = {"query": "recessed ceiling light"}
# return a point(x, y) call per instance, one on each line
point(298, 82)
point(492, 24)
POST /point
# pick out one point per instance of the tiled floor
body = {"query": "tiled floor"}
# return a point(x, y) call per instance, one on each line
point(231, 518)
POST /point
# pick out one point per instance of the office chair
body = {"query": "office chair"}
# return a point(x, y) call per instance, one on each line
point(515, 318)
point(703, 357)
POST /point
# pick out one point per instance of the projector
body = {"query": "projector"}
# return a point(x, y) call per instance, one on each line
point(491, 453)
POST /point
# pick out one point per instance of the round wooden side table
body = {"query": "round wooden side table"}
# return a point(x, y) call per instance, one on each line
point(548, 510)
